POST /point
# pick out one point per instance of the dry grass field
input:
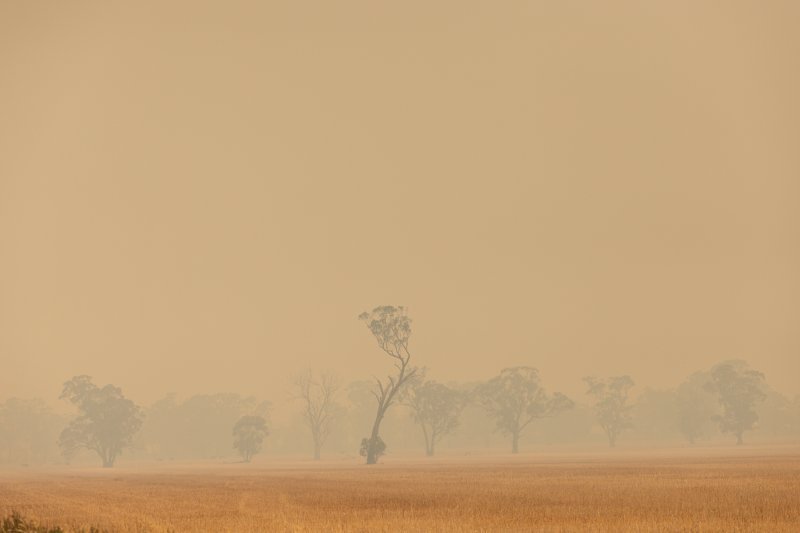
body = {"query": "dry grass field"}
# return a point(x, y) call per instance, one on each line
point(745, 489)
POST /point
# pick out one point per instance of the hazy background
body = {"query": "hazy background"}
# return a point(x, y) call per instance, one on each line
point(199, 197)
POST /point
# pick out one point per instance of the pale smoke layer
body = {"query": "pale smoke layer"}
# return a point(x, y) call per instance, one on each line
point(200, 199)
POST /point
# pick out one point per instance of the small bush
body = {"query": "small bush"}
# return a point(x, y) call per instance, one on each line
point(377, 445)
point(16, 523)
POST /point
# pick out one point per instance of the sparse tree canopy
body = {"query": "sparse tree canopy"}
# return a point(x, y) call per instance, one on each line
point(516, 398)
point(738, 389)
point(319, 402)
point(611, 404)
point(391, 327)
point(107, 421)
point(436, 409)
point(248, 435)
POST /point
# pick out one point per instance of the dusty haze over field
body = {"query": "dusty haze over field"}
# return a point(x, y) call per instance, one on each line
point(204, 198)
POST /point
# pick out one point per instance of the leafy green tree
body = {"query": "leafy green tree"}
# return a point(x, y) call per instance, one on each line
point(611, 404)
point(391, 327)
point(516, 398)
point(738, 388)
point(436, 409)
point(106, 423)
point(248, 435)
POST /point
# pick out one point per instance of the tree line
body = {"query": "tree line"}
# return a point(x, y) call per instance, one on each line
point(726, 398)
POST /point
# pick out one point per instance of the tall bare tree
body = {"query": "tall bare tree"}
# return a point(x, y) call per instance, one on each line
point(319, 403)
point(391, 327)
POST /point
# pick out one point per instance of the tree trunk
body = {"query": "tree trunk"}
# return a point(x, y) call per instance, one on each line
point(428, 441)
point(612, 440)
point(515, 442)
point(372, 457)
point(384, 402)
point(739, 440)
point(317, 451)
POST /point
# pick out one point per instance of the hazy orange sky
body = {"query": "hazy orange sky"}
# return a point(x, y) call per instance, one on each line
point(202, 197)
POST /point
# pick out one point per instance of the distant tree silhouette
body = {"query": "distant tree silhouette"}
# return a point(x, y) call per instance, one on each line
point(29, 430)
point(319, 403)
point(794, 414)
point(436, 409)
point(106, 423)
point(738, 389)
point(697, 407)
point(391, 328)
point(199, 426)
point(248, 435)
point(515, 398)
point(655, 413)
point(611, 404)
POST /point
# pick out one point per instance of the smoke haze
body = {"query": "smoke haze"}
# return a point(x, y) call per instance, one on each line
point(198, 197)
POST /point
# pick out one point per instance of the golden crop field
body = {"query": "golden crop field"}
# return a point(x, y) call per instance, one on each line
point(698, 490)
